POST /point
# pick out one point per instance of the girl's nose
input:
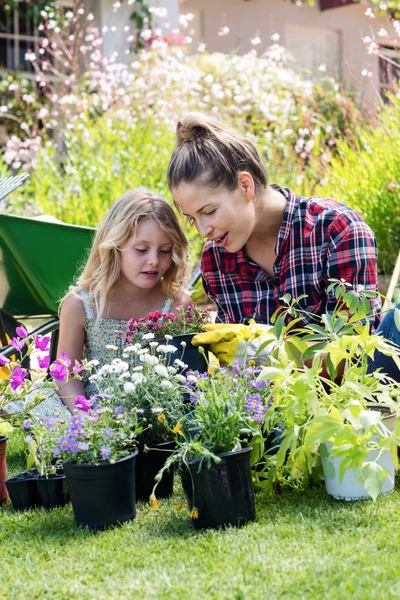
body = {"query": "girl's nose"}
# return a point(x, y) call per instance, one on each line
point(153, 259)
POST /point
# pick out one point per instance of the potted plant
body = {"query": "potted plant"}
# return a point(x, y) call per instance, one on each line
point(213, 445)
point(146, 382)
point(332, 411)
point(178, 328)
point(5, 428)
point(98, 453)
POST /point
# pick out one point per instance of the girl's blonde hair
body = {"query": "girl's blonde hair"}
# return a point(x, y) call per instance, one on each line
point(213, 155)
point(100, 275)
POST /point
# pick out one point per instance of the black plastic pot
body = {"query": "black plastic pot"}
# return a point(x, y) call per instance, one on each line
point(3, 468)
point(223, 494)
point(191, 356)
point(23, 491)
point(104, 494)
point(52, 490)
point(148, 465)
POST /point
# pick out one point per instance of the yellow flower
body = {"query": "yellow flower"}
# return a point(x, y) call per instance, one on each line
point(194, 513)
point(211, 370)
point(153, 502)
point(178, 429)
point(161, 417)
point(252, 363)
point(179, 506)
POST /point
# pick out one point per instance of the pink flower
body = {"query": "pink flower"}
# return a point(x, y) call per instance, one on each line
point(64, 358)
point(18, 345)
point(42, 343)
point(77, 368)
point(4, 360)
point(82, 403)
point(58, 370)
point(17, 377)
point(21, 331)
point(44, 362)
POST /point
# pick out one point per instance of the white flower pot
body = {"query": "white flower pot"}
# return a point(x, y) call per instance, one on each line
point(351, 486)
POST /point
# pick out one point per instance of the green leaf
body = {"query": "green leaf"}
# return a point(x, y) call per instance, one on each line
point(397, 318)
point(279, 326)
point(269, 373)
point(314, 349)
point(373, 475)
point(322, 429)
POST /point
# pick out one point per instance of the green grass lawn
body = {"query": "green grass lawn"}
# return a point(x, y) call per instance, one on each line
point(303, 545)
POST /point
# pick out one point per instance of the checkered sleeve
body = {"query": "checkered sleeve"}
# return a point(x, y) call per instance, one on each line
point(210, 270)
point(352, 256)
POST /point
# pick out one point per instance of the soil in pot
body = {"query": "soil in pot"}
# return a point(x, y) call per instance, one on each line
point(23, 491)
point(191, 356)
point(52, 490)
point(3, 469)
point(103, 495)
point(222, 495)
point(148, 465)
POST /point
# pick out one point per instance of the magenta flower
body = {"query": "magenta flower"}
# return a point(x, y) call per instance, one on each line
point(44, 362)
point(17, 377)
point(18, 345)
point(77, 368)
point(21, 332)
point(42, 343)
point(58, 370)
point(4, 360)
point(65, 359)
point(82, 403)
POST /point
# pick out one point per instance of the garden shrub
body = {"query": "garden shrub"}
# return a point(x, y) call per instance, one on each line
point(366, 176)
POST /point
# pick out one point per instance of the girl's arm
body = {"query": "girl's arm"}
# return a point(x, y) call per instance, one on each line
point(71, 341)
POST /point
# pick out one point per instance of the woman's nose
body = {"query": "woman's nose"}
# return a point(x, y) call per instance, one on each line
point(204, 229)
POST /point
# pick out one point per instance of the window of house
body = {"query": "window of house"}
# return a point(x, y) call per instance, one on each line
point(19, 33)
point(389, 69)
point(314, 48)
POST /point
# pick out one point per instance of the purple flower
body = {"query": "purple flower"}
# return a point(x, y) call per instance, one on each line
point(56, 452)
point(105, 451)
point(256, 408)
point(119, 410)
point(83, 446)
point(64, 358)
point(63, 444)
point(42, 343)
point(77, 368)
point(50, 424)
point(18, 345)
point(4, 360)
point(259, 384)
point(74, 446)
point(58, 370)
point(44, 362)
point(21, 332)
point(108, 432)
point(17, 377)
point(26, 425)
point(82, 403)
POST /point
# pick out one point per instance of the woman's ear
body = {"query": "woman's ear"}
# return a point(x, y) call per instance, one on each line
point(246, 183)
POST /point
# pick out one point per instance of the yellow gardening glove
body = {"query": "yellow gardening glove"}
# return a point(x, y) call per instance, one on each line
point(230, 342)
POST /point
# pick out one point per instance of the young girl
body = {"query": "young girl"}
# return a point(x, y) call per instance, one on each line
point(138, 264)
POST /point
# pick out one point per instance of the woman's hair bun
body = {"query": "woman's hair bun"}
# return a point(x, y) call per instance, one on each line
point(192, 126)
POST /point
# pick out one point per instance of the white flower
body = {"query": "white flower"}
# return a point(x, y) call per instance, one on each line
point(138, 378)
point(148, 336)
point(111, 347)
point(180, 378)
point(166, 349)
point(171, 369)
point(131, 348)
point(138, 368)
point(161, 370)
point(183, 344)
point(153, 344)
point(122, 366)
point(125, 355)
point(157, 410)
point(149, 359)
point(124, 376)
point(166, 384)
point(93, 363)
point(129, 387)
point(192, 378)
point(168, 337)
point(180, 363)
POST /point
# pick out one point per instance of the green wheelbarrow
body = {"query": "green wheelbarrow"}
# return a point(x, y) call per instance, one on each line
point(39, 260)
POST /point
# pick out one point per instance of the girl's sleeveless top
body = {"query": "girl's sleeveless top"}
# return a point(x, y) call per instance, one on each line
point(105, 332)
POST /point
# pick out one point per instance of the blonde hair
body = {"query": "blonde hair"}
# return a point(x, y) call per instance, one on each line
point(213, 155)
point(100, 276)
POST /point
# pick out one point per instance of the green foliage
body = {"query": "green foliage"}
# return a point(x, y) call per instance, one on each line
point(366, 176)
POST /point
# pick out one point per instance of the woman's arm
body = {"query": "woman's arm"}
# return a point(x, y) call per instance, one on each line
point(71, 341)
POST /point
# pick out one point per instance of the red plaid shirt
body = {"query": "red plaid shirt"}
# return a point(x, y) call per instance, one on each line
point(319, 239)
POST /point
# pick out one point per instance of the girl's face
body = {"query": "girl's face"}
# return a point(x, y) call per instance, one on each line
point(146, 256)
point(227, 218)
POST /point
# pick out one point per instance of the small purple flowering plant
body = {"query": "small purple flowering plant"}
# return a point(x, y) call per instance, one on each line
point(106, 434)
point(21, 390)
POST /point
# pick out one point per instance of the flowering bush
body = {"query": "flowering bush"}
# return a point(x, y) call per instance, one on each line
point(22, 390)
point(146, 383)
point(187, 320)
point(108, 433)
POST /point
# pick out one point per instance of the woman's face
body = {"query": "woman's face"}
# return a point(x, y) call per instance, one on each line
point(227, 218)
point(146, 256)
